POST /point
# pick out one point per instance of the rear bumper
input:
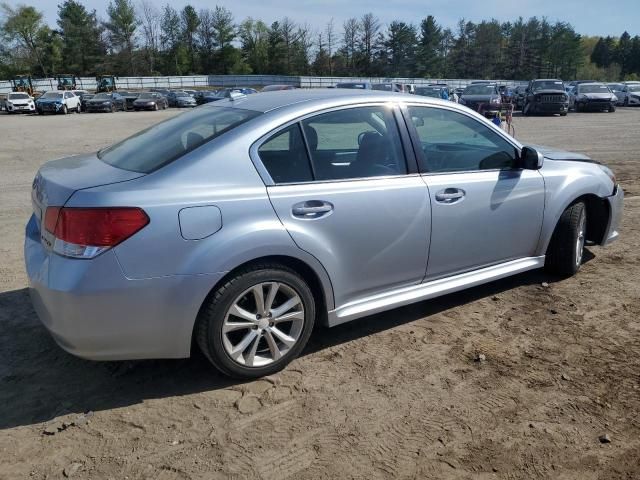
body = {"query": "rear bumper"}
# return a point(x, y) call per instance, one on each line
point(616, 206)
point(93, 311)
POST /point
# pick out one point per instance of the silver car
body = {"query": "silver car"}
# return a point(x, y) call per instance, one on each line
point(240, 224)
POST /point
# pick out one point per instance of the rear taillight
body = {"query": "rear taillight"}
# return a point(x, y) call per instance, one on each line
point(87, 232)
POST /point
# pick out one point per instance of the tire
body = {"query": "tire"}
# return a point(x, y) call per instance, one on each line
point(218, 346)
point(155, 107)
point(566, 248)
point(563, 114)
point(526, 110)
point(612, 108)
point(65, 110)
point(626, 101)
point(113, 108)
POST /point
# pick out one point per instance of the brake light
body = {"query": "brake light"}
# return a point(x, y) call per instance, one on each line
point(87, 232)
point(51, 218)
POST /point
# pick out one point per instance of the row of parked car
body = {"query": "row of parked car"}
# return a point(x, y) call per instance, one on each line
point(67, 101)
point(551, 95)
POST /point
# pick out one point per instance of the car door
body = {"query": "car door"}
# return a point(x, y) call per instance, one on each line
point(341, 185)
point(484, 210)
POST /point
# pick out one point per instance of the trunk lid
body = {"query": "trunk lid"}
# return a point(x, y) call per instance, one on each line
point(57, 180)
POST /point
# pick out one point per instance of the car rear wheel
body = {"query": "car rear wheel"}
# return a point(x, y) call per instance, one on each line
point(64, 110)
point(257, 322)
point(566, 248)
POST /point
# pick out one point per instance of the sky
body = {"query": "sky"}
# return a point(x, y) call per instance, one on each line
point(588, 17)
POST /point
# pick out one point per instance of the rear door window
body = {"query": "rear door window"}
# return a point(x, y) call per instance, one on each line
point(285, 157)
point(358, 142)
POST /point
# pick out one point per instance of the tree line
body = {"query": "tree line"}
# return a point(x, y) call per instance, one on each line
point(141, 39)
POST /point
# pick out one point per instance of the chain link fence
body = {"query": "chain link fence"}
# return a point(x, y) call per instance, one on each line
point(219, 81)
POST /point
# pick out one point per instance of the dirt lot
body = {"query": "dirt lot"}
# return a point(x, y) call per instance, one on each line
point(396, 395)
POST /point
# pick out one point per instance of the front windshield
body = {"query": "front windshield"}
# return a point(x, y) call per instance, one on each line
point(146, 96)
point(480, 90)
point(18, 96)
point(52, 95)
point(428, 91)
point(182, 94)
point(102, 96)
point(351, 85)
point(167, 141)
point(548, 85)
point(593, 89)
point(615, 86)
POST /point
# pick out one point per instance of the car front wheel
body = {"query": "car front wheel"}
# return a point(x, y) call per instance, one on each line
point(566, 248)
point(257, 321)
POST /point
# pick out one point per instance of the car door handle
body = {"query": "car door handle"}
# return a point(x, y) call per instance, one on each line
point(312, 209)
point(450, 195)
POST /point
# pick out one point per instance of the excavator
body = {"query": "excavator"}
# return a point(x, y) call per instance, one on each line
point(66, 81)
point(106, 83)
point(23, 83)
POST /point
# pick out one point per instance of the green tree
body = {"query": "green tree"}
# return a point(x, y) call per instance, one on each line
point(429, 55)
point(224, 33)
point(23, 25)
point(254, 41)
point(174, 51)
point(121, 26)
point(400, 47)
point(624, 53)
point(80, 32)
point(190, 23)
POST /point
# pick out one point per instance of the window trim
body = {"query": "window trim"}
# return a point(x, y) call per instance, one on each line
point(400, 122)
point(421, 157)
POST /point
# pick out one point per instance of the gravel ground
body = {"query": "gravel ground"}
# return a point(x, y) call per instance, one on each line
point(402, 394)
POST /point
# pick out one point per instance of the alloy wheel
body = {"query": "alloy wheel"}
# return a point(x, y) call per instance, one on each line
point(580, 238)
point(263, 323)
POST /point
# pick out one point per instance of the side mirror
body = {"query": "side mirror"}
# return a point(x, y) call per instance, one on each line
point(531, 159)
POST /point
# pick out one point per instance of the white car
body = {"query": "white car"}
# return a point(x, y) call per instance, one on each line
point(19, 102)
point(58, 101)
point(631, 94)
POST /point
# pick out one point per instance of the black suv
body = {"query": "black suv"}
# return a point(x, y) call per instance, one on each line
point(546, 96)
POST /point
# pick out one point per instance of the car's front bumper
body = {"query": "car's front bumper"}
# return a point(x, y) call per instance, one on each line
point(551, 107)
point(94, 311)
point(616, 206)
point(21, 108)
point(597, 106)
point(97, 108)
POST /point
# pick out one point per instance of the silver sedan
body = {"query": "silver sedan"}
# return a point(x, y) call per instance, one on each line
point(239, 225)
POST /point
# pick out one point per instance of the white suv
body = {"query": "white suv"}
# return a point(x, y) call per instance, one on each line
point(58, 101)
point(19, 102)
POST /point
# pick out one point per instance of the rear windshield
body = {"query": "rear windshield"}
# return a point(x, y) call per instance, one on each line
point(167, 141)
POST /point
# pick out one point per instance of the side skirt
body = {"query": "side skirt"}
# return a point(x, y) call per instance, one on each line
point(424, 291)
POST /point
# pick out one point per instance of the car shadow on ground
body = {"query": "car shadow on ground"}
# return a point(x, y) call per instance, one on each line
point(39, 381)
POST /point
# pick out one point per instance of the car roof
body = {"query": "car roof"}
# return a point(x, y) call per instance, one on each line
point(268, 101)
